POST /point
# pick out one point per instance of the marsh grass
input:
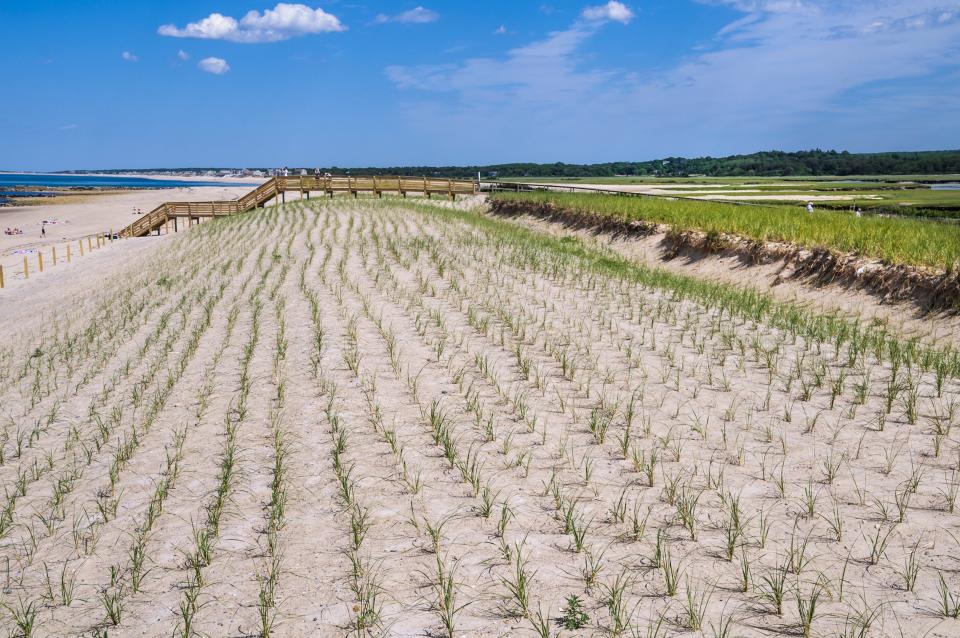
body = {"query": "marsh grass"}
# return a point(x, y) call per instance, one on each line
point(903, 241)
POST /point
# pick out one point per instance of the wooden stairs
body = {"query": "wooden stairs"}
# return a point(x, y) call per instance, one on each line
point(277, 187)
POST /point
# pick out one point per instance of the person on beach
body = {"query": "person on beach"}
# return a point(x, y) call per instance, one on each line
point(810, 207)
point(43, 229)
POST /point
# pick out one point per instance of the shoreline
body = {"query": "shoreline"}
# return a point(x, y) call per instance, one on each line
point(89, 212)
point(158, 177)
point(61, 195)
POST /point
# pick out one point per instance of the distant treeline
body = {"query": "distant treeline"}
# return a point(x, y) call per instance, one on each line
point(765, 164)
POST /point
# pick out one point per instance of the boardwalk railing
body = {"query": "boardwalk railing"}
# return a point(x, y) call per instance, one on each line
point(277, 187)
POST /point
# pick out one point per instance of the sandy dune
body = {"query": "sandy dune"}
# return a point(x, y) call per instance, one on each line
point(334, 417)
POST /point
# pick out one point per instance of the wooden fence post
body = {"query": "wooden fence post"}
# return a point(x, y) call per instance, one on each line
point(26, 268)
point(40, 260)
point(54, 255)
point(1, 275)
point(68, 253)
point(80, 241)
point(89, 243)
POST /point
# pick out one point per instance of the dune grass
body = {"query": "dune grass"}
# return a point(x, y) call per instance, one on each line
point(898, 241)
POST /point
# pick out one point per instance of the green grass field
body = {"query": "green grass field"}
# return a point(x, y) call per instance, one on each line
point(895, 240)
point(851, 180)
point(904, 195)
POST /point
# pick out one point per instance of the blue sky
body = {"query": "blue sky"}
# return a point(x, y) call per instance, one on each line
point(156, 83)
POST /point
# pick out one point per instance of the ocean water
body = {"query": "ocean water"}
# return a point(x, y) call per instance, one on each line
point(98, 181)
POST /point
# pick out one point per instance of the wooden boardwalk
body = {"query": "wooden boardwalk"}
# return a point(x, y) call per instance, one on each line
point(277, 187)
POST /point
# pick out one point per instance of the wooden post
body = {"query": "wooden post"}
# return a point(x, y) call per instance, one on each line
point(111, 235)
point(40, 260)
point(1, 276)
point(26, 268)
point(89, 242)
point(54, 255)
point(80, 241)
point(68, 253)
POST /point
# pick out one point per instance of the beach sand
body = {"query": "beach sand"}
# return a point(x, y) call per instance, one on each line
point(91, 213)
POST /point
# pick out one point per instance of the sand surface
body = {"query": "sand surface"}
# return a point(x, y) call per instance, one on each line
point(95, 213)
point(905, 318)
point(328, 415)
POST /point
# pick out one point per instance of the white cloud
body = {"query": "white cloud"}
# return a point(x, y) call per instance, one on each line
point(859, 73)
point(283, 22)
point(613, 10)
point(501, 30)
point(183, 55)
point(771, 6)
point(129, 57)
point(418, 15)
point(538, 73)
point(217, 66)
